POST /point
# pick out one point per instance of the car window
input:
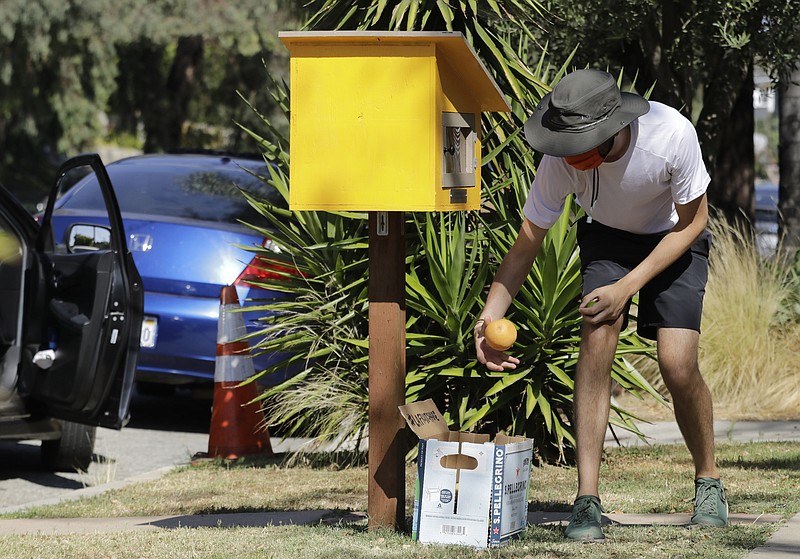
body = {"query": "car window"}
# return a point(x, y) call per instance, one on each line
point(180, 190)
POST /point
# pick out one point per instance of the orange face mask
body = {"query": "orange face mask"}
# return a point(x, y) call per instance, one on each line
point(585, 161)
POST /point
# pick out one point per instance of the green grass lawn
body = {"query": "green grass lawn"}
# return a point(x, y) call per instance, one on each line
point(761, 478)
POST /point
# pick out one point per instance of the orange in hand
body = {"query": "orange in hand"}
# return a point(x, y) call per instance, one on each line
point(500, 334)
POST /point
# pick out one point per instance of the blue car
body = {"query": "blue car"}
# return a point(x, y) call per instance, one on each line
point(184, 216)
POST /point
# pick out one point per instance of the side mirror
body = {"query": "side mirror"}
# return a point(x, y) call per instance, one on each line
point(86, 238)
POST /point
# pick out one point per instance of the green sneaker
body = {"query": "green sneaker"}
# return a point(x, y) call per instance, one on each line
point(710, 503)
point(584, 524)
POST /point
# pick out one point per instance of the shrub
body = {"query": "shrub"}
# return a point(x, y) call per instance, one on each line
point(748, 350)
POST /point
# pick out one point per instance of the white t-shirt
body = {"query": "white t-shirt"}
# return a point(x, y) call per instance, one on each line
point(637, 193)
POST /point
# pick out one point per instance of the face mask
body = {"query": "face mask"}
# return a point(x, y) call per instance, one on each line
point(592, 159)
point(585, 161)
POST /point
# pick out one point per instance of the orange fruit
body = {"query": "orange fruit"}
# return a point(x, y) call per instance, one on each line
point(500, 334)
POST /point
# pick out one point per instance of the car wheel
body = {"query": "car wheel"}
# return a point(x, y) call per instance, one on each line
point(73, 451)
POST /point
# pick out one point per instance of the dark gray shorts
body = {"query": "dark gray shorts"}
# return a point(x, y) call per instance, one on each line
point(672, 299)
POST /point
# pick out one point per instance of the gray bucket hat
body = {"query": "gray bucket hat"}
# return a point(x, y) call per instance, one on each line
point(584, 110)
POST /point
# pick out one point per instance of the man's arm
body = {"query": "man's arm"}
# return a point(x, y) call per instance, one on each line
point(611, 299)
point(511, 274)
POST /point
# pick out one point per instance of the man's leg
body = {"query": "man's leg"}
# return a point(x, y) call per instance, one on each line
point(691, 399)
point(592, 400)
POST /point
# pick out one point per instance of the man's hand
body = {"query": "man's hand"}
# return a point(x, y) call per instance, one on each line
point(604, 304)
point(493, 359)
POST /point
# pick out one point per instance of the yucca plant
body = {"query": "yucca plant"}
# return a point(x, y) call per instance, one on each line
point(322, 327)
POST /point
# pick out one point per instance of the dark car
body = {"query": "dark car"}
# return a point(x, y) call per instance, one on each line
point(70, 319)
point(185, 217)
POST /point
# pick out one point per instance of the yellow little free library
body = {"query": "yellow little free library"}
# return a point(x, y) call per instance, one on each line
point(386, 121)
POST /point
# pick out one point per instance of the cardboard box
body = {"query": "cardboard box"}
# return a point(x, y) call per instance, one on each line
point(470, 490)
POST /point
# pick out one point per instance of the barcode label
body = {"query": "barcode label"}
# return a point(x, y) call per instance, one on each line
point(454, 529)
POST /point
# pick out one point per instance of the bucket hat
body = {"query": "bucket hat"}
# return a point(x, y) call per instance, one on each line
point(584, 110)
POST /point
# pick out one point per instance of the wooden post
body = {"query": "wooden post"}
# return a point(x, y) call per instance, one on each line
point(387, 369)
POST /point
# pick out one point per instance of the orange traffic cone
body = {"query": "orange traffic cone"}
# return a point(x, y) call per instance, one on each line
point(236, 428)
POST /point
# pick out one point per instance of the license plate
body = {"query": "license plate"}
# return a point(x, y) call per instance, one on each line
point(149, 332)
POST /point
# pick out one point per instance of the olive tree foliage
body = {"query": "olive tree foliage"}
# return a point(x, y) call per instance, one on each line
point(182, 71)
point(55, 72)
point(699, 54)
point(76, 72)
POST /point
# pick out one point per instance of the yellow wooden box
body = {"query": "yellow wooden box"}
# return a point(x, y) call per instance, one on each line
point(386, 121)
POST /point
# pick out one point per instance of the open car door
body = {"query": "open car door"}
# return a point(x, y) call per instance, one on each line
point(90, 298)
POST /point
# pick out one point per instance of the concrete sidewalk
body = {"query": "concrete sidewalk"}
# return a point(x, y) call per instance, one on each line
point(667, 432)
point(784, 544)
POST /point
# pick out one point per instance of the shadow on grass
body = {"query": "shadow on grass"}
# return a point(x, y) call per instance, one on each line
point(260, 518)
point(549, 506)
point(316, 460)
point(746, 537)
point(791, 463)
